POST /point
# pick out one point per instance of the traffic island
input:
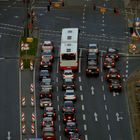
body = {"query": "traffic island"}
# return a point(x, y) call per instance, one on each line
point(133, 91)
point(28, 50)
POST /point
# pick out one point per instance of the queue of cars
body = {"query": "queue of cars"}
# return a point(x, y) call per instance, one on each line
point(68, 109)
point(113, 76)
point(92, 67)
point(46, 91)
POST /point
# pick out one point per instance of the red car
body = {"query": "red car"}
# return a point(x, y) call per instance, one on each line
point(108, 63)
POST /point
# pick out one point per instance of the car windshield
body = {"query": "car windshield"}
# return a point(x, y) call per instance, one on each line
point(68, 80)
point(71, 125)
point(69, 93)
point(68, 104)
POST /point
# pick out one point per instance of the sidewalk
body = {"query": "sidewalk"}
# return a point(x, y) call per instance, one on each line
point(133, 93)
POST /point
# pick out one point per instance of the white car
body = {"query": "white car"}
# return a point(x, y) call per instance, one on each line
point(68, 74)
point(70, 95)
point(93, 48)
point(45, 102)
point(47, 45)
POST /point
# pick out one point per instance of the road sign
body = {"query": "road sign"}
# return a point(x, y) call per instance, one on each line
point(103, 10)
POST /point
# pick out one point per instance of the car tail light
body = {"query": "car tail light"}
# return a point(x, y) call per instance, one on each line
point(120, 86)
point(76, 129)
point(97, 69)
point(69, 117)
point(64, 109)
point(113, 63)
point(108, 75)
point(110, 86)
point(73, 109)
point(66, 129)
point(118, 76)
point(44, 115)
point(104, 63)
point(73, 119)
point(64, 119)
point(41, 63)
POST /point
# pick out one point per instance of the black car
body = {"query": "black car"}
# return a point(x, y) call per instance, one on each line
point(68, 82)
point(92, 68)
point(45, 94)
point(70, 127)
point(113, 74)
point(69, 115)
point(108, 63)
point(68, 106)
point(44, 74)
point(115, 85)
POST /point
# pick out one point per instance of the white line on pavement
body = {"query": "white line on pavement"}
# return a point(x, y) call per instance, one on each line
point(57, 79)
point(82, 98)
point(84, 117)
point(106, 107)
point(83, 107)
point(58, 98)
point(58, 117)
point(85, 127)
point(59, 128)
point(101, 63)
point(59, 137)
point(83, 18)
point(35, 108)
point(108, 127)
point(85, 5)
point(86, 137)
point(107, 117)
point(20, 103)
point(80, 60)
point(79, 79)
point(102, 79)
point(103, 88)
point(57, 66)
point(126, 66)
point(103, 30)
point(81, 88)
point(103, 20)
point(110, 138)
point(57, 88)
point(126, 75)
point(104, 97)
point(58, 107)
point(127, 62)
point(126, 71)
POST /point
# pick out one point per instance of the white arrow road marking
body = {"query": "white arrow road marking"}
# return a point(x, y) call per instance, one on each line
point(92, 90)
point(9, 135)
point(95, 116)
point(118, 117)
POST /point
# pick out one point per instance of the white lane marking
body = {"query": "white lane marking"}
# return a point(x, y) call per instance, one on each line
point(127, 62)
point(118, 117)
point(2, 58)
point(103, 30)
point(126, 66)
point(84, 22)
point(106, 107)
point(83, 13)
point(82, 98)
point(57, 67)
point(107, 117)
point(103, 24)
point(95, 116)
point(58, 117)
point(103, 16)
point(101, 63)
point(86, 137)
point(35, 106)
point(102, 79)
point(80, 55)
point(57, 79)
point(79, 79)
point(83, 107)
point(92, 90)
point(57, 88)
point(9, 135)
point(108, 127)
point(84, 117)
point(85, 127)
point(59, 137)
point(85, 5)
point(9, 6)
point(83, 18)
point(126, 71)
point(16, 16)
point(20, 102)
point(5, 9)
point(59, 128)
point(58, 98)
point(103, 20)
point(58, 107)
point(104, 97)
point(110, 138)
point(126, 75)
point(0, 36)
point(103, 88)
point(81, 88)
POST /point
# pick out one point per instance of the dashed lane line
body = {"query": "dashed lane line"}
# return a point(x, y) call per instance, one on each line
point(58, 98)
point(59, 128)
point(58, 117)
point(104, 97)
point(102, 79)
point(107, 117)
point(58, 108)
point(84, 117)
point(103, 88)
point(108, 127)
point(83, 107)
point(60, 138)
point(105, 107)
point(110, 138)
point(85, 127)
point(79, 79)
point(81, 88)
point(86, 137)
point(82, 97)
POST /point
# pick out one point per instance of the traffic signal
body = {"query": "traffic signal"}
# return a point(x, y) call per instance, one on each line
point(48, 7)
point(115, 10)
